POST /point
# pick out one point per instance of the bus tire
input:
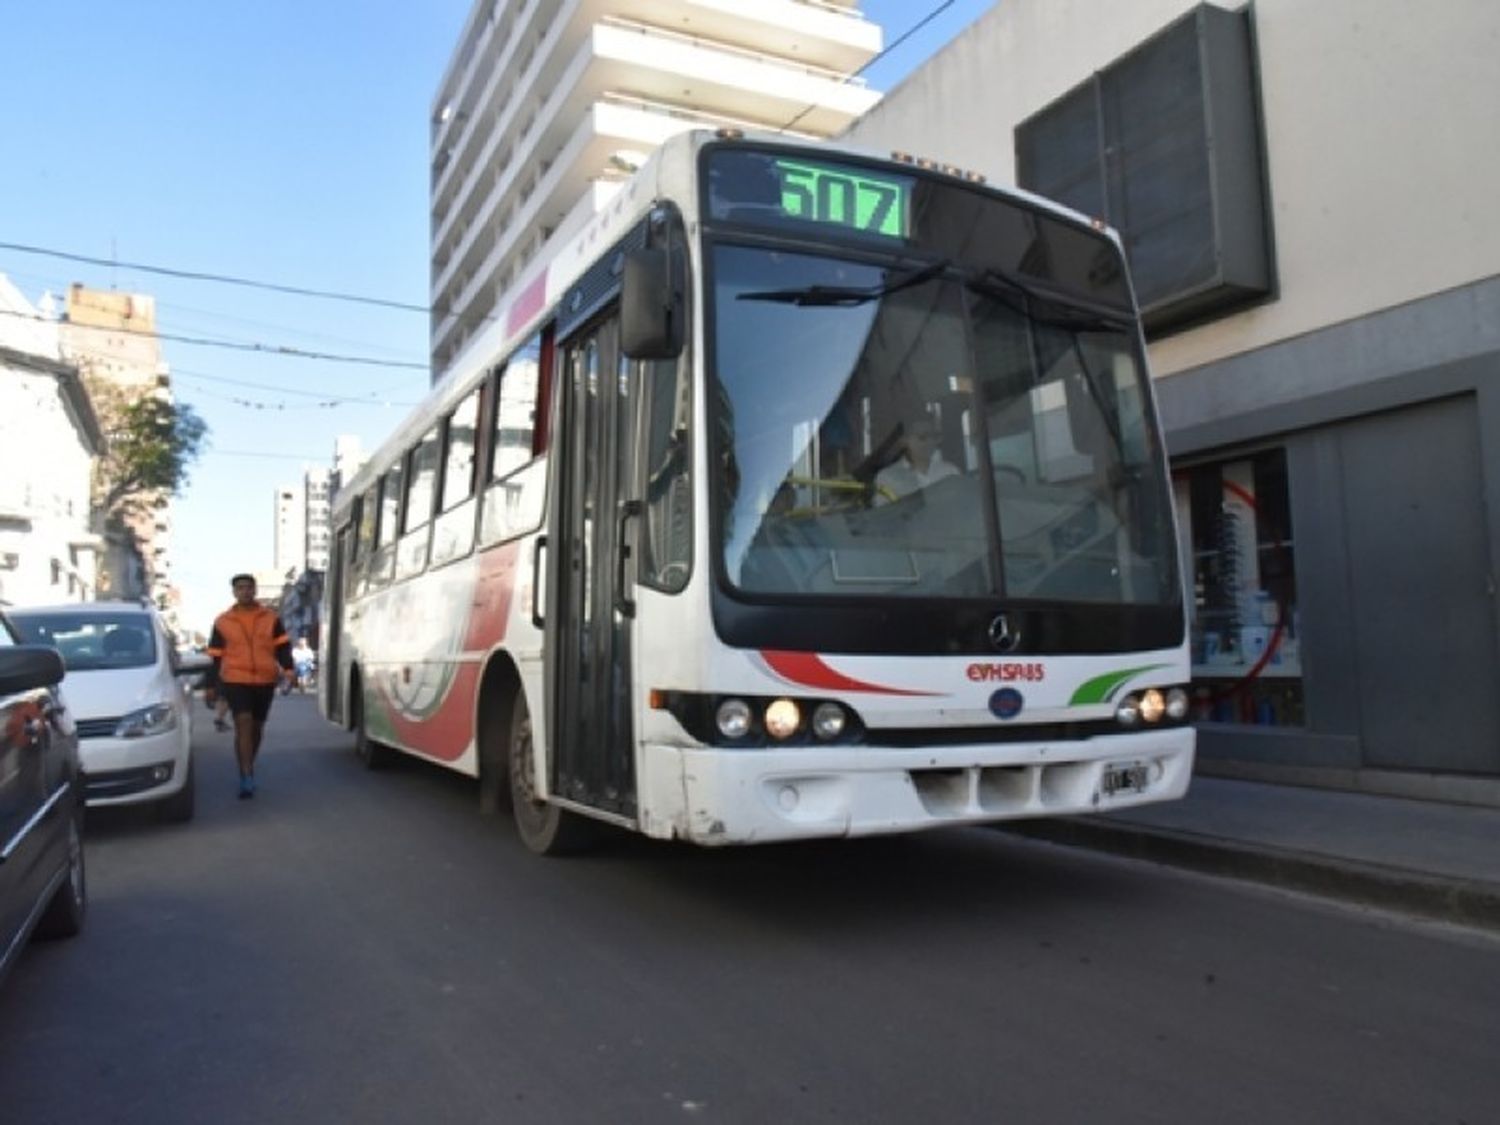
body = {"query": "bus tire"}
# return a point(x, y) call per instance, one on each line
point(372, 754)
point(544, 828)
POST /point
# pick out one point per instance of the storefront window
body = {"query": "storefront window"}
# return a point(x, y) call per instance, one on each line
point(1236, 539)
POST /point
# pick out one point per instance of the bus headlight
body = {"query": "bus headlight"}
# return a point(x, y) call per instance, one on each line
point(828, 721)
point(1128, 713)
point(783, 717)
point(733, 718)
point(1177, 704)
point(1153, 705)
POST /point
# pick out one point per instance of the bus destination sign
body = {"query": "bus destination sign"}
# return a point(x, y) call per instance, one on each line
point(842, 196)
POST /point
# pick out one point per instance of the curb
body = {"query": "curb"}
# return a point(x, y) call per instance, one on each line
point(1437, 897)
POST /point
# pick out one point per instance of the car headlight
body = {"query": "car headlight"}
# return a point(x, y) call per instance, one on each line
point(156, 719)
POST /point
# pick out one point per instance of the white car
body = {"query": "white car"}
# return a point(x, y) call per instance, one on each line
point(126, 689)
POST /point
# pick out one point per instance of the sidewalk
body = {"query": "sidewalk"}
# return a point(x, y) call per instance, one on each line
point(1420, 857)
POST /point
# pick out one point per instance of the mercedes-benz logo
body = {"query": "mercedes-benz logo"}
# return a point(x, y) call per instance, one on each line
point(1001, 636)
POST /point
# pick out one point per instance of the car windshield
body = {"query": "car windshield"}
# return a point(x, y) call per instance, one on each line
point(929, 432)
point(90, 641)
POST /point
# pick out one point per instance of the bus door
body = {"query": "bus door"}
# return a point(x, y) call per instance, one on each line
point(589, 728)
point(330, 683)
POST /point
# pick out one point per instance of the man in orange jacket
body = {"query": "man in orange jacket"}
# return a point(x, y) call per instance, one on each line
point(251, 652)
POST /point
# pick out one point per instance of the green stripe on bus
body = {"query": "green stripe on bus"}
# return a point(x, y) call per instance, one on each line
point(1102, 688)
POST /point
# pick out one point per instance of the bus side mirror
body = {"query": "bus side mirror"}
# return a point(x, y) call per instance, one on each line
point(651, 306)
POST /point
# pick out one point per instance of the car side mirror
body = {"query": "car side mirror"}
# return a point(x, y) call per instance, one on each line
point(28, 667)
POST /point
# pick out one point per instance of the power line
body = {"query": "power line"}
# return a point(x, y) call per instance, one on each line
point(56, 284)
point(907, 34)
point(374, 398)
point(322, 403)
point(232, 345)
point(264, 455)
point(222, 279)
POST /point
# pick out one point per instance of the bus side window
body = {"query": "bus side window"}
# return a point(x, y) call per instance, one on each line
point(421, 482)
point(416, 510)
point(667, 539)
point(369, 506)
point(383, 562)
point(515, 484)
point(453, 527)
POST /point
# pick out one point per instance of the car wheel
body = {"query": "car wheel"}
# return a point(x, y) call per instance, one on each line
point(543, 827)
point(374, 755)
point(64, 914)
point(178, 808)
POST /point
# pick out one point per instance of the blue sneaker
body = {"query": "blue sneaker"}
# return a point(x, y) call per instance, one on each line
point(247, 786)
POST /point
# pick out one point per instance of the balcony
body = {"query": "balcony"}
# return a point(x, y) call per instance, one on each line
point(649, 86)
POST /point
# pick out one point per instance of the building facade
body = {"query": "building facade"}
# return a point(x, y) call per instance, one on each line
point(548, 105)
point(111, 337)
point(49, 437)
point(1304, 191)
point(289, 530)
point(316, 489)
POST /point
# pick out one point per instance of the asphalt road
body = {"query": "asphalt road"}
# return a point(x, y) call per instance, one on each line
point(364, 947)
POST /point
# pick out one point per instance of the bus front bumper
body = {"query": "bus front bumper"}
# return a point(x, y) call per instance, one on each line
point(715, 797)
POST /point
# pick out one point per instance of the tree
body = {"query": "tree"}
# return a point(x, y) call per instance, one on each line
point(152, 441)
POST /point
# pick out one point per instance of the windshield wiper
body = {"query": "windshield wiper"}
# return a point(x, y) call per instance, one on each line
point(844, 296)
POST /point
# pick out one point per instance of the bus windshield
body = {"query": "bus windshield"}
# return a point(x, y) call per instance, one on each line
point(930, 430)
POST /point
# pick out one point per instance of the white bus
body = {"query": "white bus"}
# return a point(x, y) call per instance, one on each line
point(802, 494)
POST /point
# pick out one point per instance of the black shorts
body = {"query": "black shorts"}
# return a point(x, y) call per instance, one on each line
point(254, 699)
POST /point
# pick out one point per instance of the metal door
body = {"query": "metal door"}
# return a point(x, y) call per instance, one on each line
point(1422, 589)
point(590, 731)
point(330, 679)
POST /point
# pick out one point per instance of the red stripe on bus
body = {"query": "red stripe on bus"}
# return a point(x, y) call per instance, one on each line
point(489, 605)
point(447, 732)
point(808, 669)
point(533, 299)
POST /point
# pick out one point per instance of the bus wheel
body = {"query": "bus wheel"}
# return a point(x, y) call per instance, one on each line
point(366, 749)
point(544, 828)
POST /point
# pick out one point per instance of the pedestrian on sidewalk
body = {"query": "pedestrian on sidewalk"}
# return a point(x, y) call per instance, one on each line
point(251, 653)
point(304, 661)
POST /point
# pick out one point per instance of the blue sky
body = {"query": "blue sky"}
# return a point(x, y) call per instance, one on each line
point(280, 141)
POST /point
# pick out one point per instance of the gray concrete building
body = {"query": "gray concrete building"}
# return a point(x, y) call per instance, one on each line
point(1306, 194)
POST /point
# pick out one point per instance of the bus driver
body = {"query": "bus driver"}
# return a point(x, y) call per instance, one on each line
point(919, 465)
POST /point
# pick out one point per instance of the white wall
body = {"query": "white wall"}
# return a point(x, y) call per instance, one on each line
point(1381, 135)
point(44, 469)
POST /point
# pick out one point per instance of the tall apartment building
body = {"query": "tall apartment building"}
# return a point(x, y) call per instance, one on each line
point(548, 105)
point(111, 337)
point(1306, 197)
point(317, 497)
point(302, 528)
point(289, 532)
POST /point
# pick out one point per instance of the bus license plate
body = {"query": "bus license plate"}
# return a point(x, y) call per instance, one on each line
point(1125, 777)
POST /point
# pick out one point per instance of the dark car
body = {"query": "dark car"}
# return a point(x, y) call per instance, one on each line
point(41, 801)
